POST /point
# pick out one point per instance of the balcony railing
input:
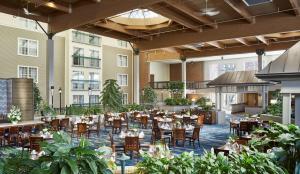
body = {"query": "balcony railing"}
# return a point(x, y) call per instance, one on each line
point(189, 84)
point(84, 85)
point(84, 38)
point(83, 61)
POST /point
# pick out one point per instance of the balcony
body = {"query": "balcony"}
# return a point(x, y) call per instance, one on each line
point(192, 85)
point(84, 85)
point(84, 38)
point(87, 62)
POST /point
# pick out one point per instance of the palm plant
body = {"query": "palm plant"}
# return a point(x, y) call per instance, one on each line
point(111, 97)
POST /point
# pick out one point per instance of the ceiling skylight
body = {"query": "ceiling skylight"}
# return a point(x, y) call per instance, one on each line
point(140, 14)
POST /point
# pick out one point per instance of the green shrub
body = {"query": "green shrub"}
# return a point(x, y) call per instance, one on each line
point(177, 101)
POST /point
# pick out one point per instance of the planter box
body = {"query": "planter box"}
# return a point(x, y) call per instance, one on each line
point(174, 108)
point(269, 117)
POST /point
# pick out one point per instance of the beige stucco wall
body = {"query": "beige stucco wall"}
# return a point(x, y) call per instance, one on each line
point(10, 59)
point(111, 69)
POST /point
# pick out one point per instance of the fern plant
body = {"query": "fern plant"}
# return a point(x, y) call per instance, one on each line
point(111, 96)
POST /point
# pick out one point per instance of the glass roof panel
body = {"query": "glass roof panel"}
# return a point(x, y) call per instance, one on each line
point(140, 14)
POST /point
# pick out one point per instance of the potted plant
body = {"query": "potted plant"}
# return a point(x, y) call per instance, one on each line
point(14, 115)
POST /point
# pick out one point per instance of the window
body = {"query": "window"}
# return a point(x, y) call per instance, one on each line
point(122, 43)
point(78, 99)
point(122, 60)
point(94, 40)
point(78, 36)
point(78, 80)
point(28, 47)
point(226, 67)
point(250, 66)
point(78, 58)
point(122, 79)
point(125, 98)
point(28, 24)
point(28, 72)
point(94, 99)
point(94, 61)
point(85, 38)
point(94, 80)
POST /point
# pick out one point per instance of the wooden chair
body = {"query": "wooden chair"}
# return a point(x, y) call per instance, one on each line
point(2, 137)
point(95, 128)
point(155, 124)
point(186, 120)
point(81, 129)
point(14, 136)
point(158, 136)
point(54, 125)
point(107, 123)
point(64, 124)
point(178, 135)
point(26, 133)
point(117, 125)
point(243, 127)
point(194, 137)
point(115, 146)
point(131, 145)
point(35, 143)
point(234, 127)
point(200, 120)
point(144, 121)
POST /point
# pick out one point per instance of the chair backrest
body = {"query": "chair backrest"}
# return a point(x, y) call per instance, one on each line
point(244, 126)
point(186, 120)
point(156, 134)
point(34, 143)
point(27, 129)
point(14, 130)
point(196, 133)
point(144, 119)
point(55, 124)
point(117, 123)
point(155, 123)
point(65, 122)
point(123, 115)
point(135, 114)
point(200, 119)
point(132, 144)
point(179, 134)
point(81, 128)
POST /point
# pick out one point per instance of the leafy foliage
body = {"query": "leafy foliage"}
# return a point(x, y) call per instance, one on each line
point(47, 110)
point(177, 101)
point(37, 98)
point(149, 96)
point(276, 109)
point(111, 96)
point(176, 88)
point(133, 107)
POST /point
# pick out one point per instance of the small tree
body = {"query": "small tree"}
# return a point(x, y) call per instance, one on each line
point(37, 97)
point(111, 97)
point(176, 89)
point(149, 96)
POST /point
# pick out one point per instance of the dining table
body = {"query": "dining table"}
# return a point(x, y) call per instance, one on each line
point(164, 119)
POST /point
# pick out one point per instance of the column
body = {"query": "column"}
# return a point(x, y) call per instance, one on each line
point(264, 97)
point(286, 108)
point(183, 77)
point(259, 53)
point(218, 98)
point(136, 76)
point(50, 68)
point(297, 109)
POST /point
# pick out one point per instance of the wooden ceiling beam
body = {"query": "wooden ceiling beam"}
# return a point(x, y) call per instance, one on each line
point(191, 47)
point(296, 6)
point(177, 17)
point(226, 32)
point(93, 12)
point(240, 7)
point(179, 5)
point(239, 50)
point(243, 41)
point(117, 27)
point(262, 39)
point(145, 27)
point(217, 44)
point(52, 5)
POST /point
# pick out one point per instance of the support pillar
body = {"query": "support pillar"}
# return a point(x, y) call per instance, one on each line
point(260, 53)
point(297, 109)
point(50, 68)
point(183, 77)
point(218, 99)
point(136, 76)
point(286, 108)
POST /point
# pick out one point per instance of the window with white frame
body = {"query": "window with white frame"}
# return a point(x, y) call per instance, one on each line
point(124, 98)
point(28, 47)
point(122, 79)
point(251, 66)
point(28, 23)
point(78, 99)
point(94, 61)
point(122, 60)
point(28, 72)
point(78, 58)
point(122, 43)
point(94, 80)
point(94, 99)
point(78, 80)
point(226, 68)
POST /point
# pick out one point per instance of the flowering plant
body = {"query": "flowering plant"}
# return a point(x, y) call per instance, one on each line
point(14, 114)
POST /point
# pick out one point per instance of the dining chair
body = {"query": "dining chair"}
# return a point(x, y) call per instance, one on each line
point(194, 137)
point(107, 123)
point(54, 125)
point(125, 122)
point(243, 127)
point(117, 125)
point(233, 127)
point(178, 135)
point(115, 146)
point(64, 124)
point(131, 145)
point(95, 128)
point(14, 136)
point(186, 120)
point(26, 133)
point(155, 124)
point(81, 129)
point(157, 135)
point(200, 120)
point(35, 143)
point(144, 121)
